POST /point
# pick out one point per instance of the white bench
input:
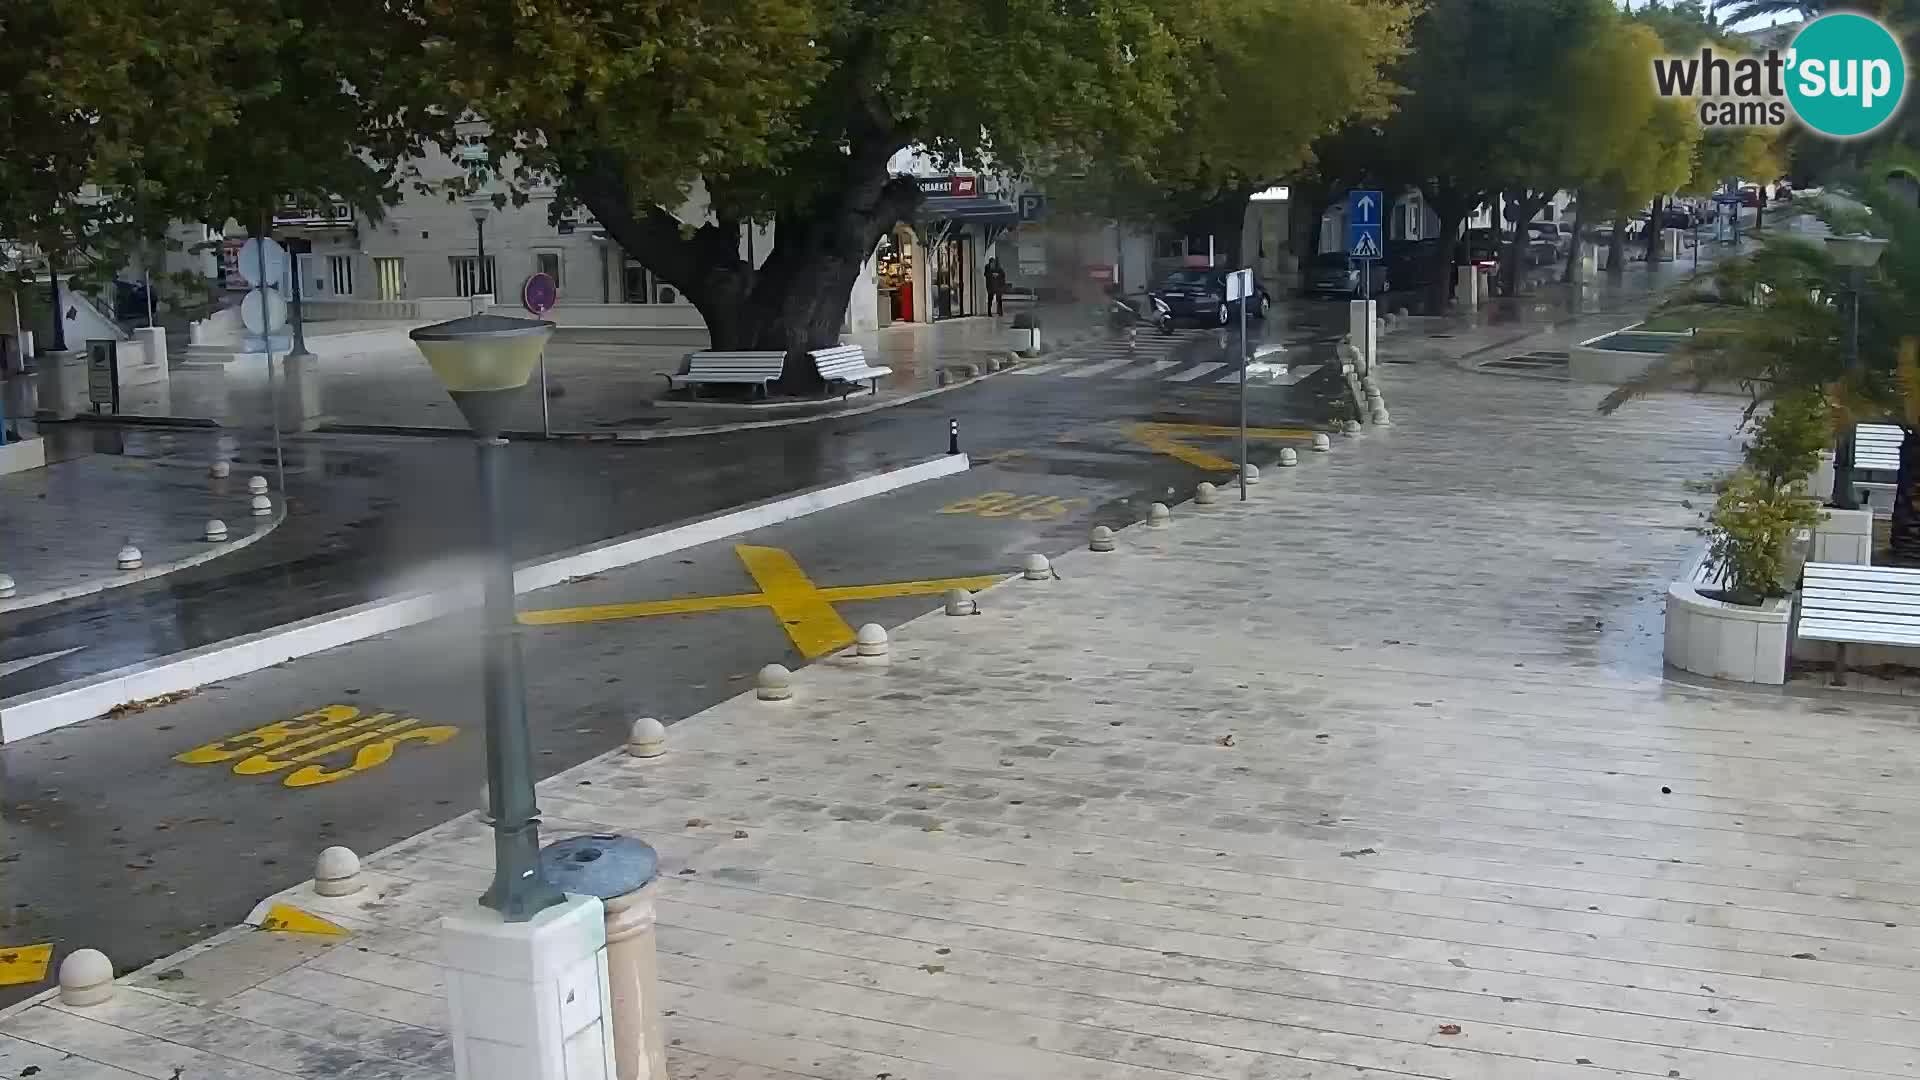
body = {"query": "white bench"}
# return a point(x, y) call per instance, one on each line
point(847, 364)
point(734, 368)
point(1876, 449)
point(1866, 605)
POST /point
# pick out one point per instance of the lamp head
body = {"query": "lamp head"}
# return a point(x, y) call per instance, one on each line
point(483, 361)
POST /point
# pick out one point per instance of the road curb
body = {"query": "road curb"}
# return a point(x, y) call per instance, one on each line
point(210, 552)
point(45, 710)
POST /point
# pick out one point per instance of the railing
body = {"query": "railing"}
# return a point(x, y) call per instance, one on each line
point(359, 310)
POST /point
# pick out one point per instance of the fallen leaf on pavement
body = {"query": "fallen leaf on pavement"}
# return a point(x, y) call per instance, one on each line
point(695, 822)
point(1225, 740)
point(1357, 853)
point(1449, 1029)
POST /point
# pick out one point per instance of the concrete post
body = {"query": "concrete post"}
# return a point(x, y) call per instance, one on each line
point(1363, 332)
point(624, 870)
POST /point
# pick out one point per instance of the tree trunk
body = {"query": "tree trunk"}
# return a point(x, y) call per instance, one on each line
point(59, 342)
point(796, 300)
point(1903, 541)
point(1617, 249)
point(1223, 217)
point(1656, 224)
point(1579, 220)
point(1440, 288)
point(1520, 212)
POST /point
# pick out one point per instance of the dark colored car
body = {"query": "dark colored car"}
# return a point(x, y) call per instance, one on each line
point(1411, 263)
point(1750, 196)
point(1201, 295)
point(1332, 273)
point(1478, 246)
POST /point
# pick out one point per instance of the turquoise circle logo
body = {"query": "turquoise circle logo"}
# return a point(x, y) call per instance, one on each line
point(1847, 75)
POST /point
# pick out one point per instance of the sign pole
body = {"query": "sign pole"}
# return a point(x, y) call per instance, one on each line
point(266, 346)
point(1245, 295)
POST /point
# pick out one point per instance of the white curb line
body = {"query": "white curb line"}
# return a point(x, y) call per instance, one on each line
point(55, 707)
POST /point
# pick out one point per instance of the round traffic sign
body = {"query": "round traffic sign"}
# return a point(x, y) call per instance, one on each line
point(263, 316)
point(540, 293)
point(250, 262)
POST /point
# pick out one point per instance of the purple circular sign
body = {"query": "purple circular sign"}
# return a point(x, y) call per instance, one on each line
point(540, 294)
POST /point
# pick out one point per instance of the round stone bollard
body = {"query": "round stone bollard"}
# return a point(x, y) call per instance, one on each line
point(1037, 568)
point(621, 871)
point(647, 738)
point(129, 558)
point(337, 872)
point(220, 469)
point(7, 586)
point(1351, 427)
point(1158, 516)
point(1289, 457)
point(1206, 494)
point(1251, 473)
point(216, 531)
point(870, 642)
point(1101, 539)
point(1321, 444)
point(86, 978)
point(262, 506)
point(256, 485)
point(774, 683)
point(960, 602)
point(1382, 418)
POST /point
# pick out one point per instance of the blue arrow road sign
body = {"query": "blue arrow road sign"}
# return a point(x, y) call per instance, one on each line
point(1365, 208)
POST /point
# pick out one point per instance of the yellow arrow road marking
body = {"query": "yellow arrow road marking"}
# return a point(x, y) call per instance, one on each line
point(1169, 439)
point(805, 610)
point(24, 965)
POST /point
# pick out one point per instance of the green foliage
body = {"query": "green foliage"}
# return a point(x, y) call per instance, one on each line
point(1749, 531)
point(1787, 442)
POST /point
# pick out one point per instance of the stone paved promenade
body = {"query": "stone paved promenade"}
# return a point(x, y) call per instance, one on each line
point(1375, 776)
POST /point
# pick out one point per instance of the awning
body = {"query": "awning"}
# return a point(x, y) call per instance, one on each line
point(961, 208)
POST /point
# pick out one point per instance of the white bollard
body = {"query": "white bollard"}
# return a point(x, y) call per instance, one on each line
point(1101, 539)
point(1289, 457)
point(216, 531)
point(129, 558)
point(1206, 494)
point(256, 485)
point(1038, 568)
point(337, 872)
point(871, 642)
point(647, 738)
point(960, 602)
point(1158, 516)
point(1321, 444)
point(262, 506)
point(1251, 473)
point(1351, 427)
point(86, 978)
point(219, 470)
point(1382, 418)
point(774, 683)
point(6, 586)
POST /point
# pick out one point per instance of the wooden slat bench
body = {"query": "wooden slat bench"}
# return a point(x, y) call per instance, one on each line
point(1866, 605)
point(847, 364)
point(1876, 451)
point(733, 368)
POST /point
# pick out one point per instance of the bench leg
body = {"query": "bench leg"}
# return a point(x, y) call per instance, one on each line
point(1840, 663)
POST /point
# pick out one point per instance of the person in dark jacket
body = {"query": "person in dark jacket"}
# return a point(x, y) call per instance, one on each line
point(996, 287)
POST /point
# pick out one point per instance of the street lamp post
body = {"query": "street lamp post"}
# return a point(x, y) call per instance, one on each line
point(480, 210)
point(484, 361)
point(1856, 253)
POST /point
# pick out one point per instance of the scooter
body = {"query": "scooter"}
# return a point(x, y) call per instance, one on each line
point(1122, 315)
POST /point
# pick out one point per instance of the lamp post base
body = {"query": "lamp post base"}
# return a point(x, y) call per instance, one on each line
point(530, 1000)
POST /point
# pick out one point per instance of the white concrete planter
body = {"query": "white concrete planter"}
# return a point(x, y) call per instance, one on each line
point(1846, 536)
point(19, 455)
point(1025, 342)
point(1725, 641)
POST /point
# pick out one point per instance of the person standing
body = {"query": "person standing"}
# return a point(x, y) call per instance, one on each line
point(996, 287)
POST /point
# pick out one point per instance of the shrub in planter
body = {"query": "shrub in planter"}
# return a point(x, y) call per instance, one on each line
point(1787, 441)
point(1749, 531)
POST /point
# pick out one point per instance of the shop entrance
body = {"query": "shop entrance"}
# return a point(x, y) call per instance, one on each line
point(954, 287)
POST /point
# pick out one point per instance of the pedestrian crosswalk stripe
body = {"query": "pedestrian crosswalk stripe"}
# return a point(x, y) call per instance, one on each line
point(1041, 369)
point(1085, 370)
point(1297, 373)
point(1148, 370)
point(1195, 372)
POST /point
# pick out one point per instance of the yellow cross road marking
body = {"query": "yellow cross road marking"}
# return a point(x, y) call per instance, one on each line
point(805, 610)
point(25, 964)
point(287, 919)
point(1169, 439)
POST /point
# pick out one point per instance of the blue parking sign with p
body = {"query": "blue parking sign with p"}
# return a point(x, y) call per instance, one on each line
point(1365, 209)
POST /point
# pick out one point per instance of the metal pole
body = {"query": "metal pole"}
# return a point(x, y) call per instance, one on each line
point(1843, 453)
point(546, 417)
point(1243, 396)
point(519, 890)
point(480, 282)
point(299, 316)
point(266, 346)
point(953, 436)
point(59, 342)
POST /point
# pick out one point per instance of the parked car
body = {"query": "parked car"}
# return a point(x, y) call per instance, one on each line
point(1480, 245)
point(1560, 236)
point(1332, 273)
point(1201, 295)
point(1410, 263)
point(1750, 196)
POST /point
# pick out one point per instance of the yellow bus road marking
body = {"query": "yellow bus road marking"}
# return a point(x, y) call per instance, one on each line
point(306, 740)
point(1170, 439)
point(805, 610)
point(24, 965)
point(287, 919)
point(999, 504)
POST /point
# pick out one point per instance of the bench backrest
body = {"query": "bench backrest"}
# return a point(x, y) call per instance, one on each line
point(1860, 603)
point(749, 364)
point(838, 360)
point(1877, 446)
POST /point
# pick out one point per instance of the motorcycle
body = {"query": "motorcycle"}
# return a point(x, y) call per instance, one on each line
point(1122, 315)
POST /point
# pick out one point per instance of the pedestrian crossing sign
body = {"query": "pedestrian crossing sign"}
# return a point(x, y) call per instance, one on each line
point(1366, 243)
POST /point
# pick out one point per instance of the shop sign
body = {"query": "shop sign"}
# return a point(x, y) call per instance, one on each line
point(961, 187)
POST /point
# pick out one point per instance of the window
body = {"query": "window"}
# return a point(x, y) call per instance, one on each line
point(469, 279)
point(391, 275)
point(340, 270)
point(548, 263)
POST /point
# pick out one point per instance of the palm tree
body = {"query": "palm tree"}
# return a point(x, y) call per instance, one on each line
point(1776, 322)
